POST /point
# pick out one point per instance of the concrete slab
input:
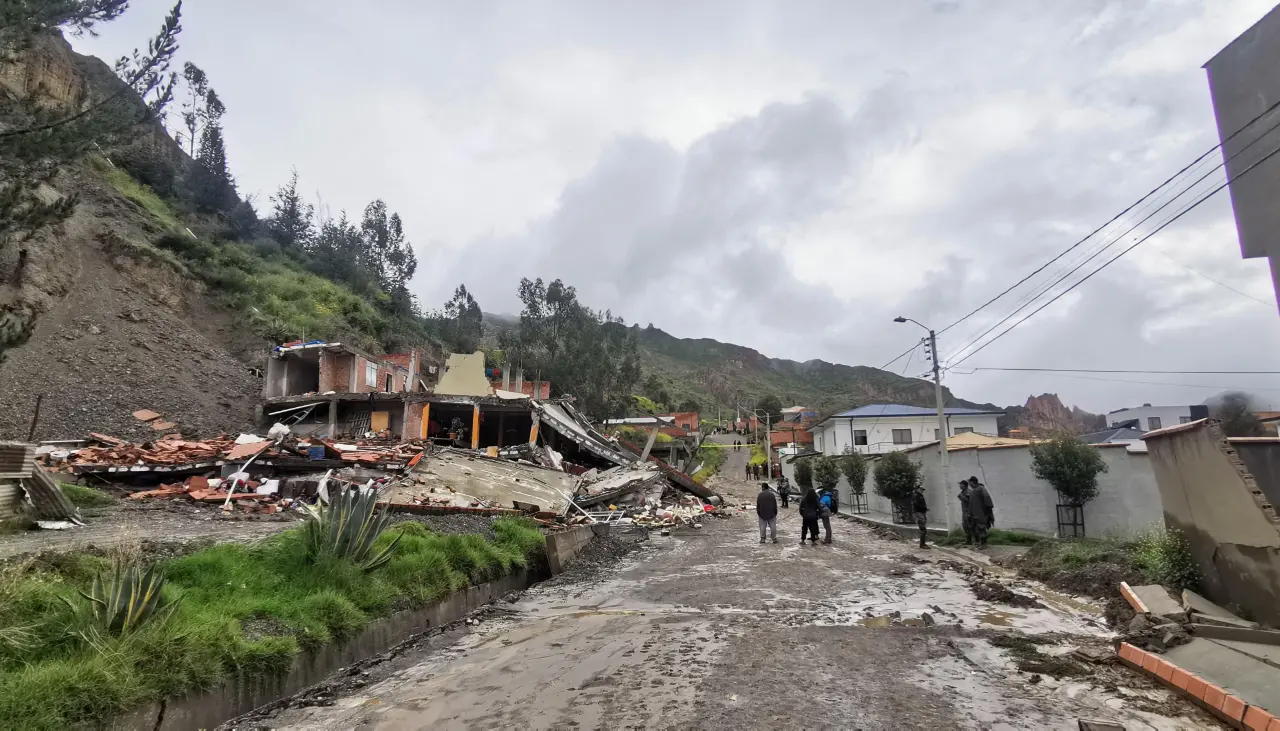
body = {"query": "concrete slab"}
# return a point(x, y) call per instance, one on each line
point(1198, 618)
point(1253, 680)
point(1193, 602)
point(1270, 654)
point(1158, 600)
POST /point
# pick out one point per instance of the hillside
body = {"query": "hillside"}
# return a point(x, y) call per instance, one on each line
point(716, 374)
point(139, 300)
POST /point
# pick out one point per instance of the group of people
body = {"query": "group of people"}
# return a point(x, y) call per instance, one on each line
point(815, 507)
point(756, 471)
point(977, 512)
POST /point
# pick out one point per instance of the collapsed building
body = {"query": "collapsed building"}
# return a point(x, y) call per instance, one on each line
point(427, 438)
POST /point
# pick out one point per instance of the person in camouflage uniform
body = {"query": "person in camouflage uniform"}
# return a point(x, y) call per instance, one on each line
point(982, 512)
point(966, 515)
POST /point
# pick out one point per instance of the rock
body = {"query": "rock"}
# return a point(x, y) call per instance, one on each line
point(1139, 624)
point(1034, 679)
point(927, 619)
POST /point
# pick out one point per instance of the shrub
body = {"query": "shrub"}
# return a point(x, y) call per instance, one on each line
point(804, 473)
point(826, 472)
point(347, 528)
point(896, 476)
point(129, 599)
point(1070, 466)
point(854, 467)
point(1165, 558)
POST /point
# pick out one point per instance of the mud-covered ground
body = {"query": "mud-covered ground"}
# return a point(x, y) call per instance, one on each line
point(709, 629)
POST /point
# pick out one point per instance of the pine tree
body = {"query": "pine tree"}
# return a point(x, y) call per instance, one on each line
point(290, 223)
point(213, 189)
point(463, 321)
point(202, 107)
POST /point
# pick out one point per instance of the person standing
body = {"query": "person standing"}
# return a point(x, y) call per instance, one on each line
point(966, 515)
point(920, 509)
point(982, 512)
point(784, 490)
point(767, 512)
point(747, 468)
point(824, 514)
point(809, 516)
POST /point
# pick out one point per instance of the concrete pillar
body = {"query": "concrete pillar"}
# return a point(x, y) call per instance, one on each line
point(475, 426)
point(333, 418)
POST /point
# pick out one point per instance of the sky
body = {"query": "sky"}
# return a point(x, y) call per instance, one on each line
point(787, 176)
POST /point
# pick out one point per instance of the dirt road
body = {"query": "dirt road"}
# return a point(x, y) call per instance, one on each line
point(709, 629)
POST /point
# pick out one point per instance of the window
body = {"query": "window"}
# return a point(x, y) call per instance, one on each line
point(964, 430)
point(1153, 423)
point(901, 436)
point(370, 374)
point(860, 437)
point(1184, 419)
point(819, 443)
point(937, 435)
point(387, 382)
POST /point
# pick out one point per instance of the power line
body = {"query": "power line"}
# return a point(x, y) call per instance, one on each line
point(1152, 192)
point(912, 349)
point(1027, 302)
point(1157, 383)
point(1096, 370)
point(1211, 279)
point(1112, 260)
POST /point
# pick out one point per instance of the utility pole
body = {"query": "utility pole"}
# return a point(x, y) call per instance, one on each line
point(942, 425)
point(942, 417)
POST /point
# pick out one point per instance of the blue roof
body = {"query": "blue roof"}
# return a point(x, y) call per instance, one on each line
point(878, 410)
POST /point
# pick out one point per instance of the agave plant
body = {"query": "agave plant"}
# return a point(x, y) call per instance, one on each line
point(348, 527)
point(132, 597)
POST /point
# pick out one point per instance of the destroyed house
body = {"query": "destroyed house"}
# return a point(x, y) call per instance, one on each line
point(301, 369)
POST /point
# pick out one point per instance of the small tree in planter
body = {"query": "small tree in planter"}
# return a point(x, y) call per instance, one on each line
point(896, 478)
point(854, 467)
point(1072, 468)
point(826, 475)
point(804, 473)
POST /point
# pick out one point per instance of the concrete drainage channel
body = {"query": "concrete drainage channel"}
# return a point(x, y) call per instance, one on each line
point(236, 697)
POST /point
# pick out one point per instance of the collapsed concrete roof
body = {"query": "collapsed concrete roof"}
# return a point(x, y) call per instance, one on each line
point(568, 423)
point(491, 479)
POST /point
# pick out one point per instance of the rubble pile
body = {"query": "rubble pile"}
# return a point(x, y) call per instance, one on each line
point(1162, 621)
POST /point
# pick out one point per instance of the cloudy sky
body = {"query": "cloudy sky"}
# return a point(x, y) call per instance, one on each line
point(787, 176)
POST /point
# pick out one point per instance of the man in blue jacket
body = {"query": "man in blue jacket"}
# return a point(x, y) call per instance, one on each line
point(824, 513)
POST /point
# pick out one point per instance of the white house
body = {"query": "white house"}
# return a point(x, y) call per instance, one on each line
point(877, 428)
point(1147, 417)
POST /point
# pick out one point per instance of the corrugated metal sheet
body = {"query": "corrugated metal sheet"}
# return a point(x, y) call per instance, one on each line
point(10, 499)
point(17, 459)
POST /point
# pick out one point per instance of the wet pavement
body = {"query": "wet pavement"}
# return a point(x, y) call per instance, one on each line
point(709, 629)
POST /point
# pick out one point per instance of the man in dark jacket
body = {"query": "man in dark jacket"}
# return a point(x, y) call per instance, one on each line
point(809, 516)
point(966, 515)
point(920, 509)
point(767, 511)
point(982, 511)
point(784, 490)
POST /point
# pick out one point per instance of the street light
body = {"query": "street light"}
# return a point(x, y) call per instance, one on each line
point(942, 419)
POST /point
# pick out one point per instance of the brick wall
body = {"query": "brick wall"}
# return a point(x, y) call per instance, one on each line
point(687, 420)
point(335, 371)
point(412, 421)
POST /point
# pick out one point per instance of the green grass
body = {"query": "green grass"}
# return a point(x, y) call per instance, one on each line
point(757, 454)
point(711, 458)
point(995, 537)
point(1158, 556)
point(637, 435)
point(245, 610)
point(126, 186)
point(87, 497)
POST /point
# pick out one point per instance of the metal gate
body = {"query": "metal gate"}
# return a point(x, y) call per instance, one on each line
point(1070, 519)
point(858, 503)
point(902, 514)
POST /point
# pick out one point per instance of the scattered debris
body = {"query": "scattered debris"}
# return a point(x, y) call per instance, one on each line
point(993, 591)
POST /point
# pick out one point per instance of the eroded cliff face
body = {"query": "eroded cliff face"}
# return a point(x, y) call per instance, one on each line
point(49, 73)
point(1046, 414)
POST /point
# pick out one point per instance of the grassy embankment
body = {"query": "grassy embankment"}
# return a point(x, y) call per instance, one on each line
point(711, 458)
point(243, 609)
point(277, 295)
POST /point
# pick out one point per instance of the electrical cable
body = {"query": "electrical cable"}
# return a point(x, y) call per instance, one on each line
point(1211, 279)
point(1194, 163)
point(1112, 260)
point(1045, 288)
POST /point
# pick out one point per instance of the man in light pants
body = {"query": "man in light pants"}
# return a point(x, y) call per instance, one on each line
point(767, 511)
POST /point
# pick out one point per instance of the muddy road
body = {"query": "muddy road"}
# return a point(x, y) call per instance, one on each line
point(709, 629)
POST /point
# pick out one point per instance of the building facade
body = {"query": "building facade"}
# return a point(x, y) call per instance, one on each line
point(1245, 88)
point(1149, 418)
point(879, 428)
